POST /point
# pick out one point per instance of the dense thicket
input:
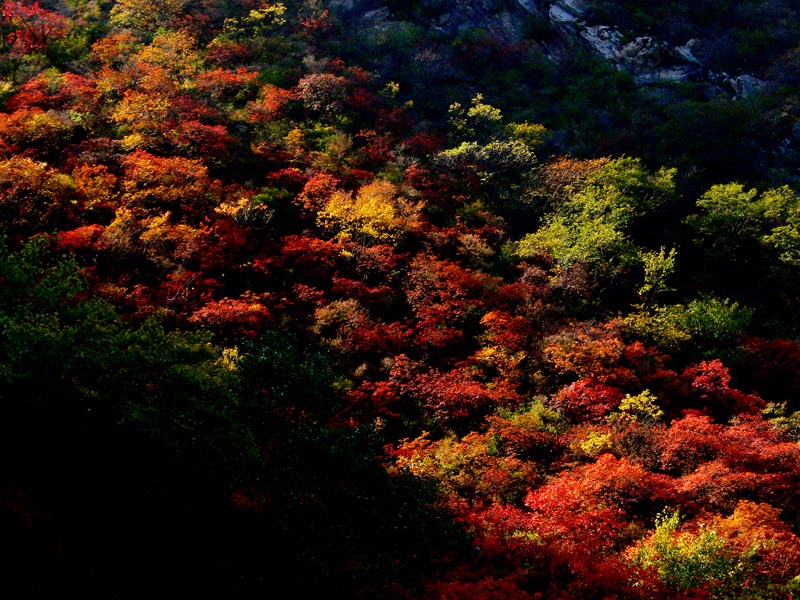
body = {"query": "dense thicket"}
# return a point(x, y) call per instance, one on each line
point(286, 305)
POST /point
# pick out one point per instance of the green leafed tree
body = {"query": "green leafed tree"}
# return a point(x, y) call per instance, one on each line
point(705, 326)
point(592, 224)
point(731, 221)
point(738, 557)
point(657, 267)
point(170, 387)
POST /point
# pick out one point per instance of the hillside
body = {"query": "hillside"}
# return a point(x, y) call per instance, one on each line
point(419, 300)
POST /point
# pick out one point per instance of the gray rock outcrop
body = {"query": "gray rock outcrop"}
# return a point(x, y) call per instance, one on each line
point(647, 59)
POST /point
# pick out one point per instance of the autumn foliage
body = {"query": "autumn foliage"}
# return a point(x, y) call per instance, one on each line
point(266, 319)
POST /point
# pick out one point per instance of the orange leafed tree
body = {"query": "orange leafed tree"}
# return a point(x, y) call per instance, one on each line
point(179, 185)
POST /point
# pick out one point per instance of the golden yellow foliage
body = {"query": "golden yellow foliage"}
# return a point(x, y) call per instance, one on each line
point(174, 51)
point(95, 184)
point(145, 15)
point(641, 407)
point(376, 213)
point(167, 243)
point(595, 443)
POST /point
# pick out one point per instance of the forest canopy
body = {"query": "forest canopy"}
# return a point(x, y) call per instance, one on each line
point(380, 298)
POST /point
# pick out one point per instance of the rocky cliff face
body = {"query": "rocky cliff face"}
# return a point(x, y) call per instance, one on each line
point(647, 59)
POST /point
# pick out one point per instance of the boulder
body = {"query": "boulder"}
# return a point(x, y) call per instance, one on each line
point(744, 86)
point(605, 40)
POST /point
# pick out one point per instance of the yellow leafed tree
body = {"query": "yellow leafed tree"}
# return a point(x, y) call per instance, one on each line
point(145, 15)
point(377, 213)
